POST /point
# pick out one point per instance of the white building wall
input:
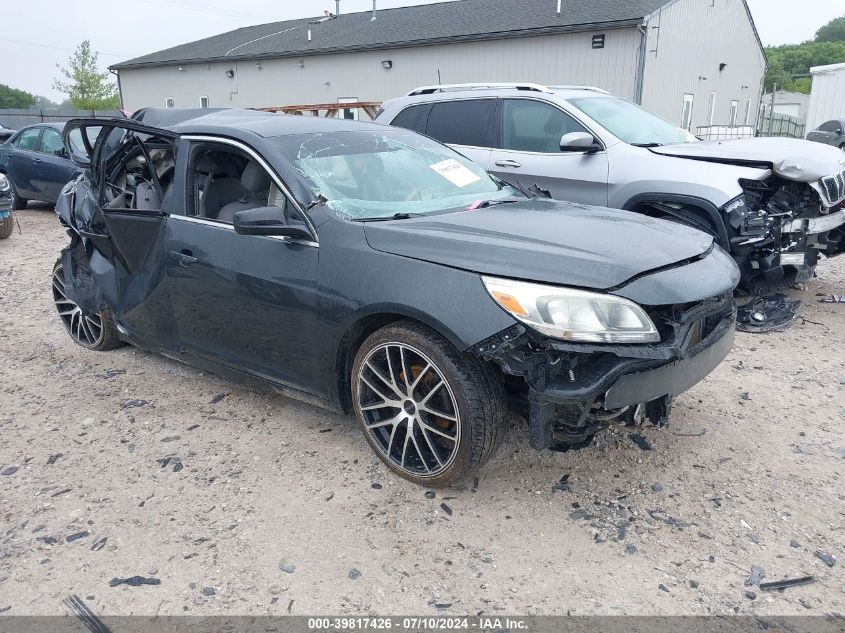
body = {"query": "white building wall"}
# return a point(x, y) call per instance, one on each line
point(687, 41)
point(549, 59)
point(827, 99)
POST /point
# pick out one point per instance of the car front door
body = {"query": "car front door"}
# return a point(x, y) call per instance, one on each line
point(133, 192)
point(21, 162)
point(53, 170)
point(529, 153)
point(243, 301)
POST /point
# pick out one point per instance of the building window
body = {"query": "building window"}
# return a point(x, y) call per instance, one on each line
point(686, 117)
point(711, 108)
point(349, 113)
point(598, 41)
point(203, 102)
point(734, 111)
point(168, 102)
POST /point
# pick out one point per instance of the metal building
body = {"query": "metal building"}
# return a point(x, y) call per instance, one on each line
point(827, 98)
point(694, 62)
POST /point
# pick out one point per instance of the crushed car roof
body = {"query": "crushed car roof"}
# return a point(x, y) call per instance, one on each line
point(266, 124)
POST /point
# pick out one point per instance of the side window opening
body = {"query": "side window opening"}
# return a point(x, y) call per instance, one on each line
point(139, 173)
point(467, 122)
point(413, 118)
point(51, 142)
point(533, 126)
point(224, 181)
point(28, 139)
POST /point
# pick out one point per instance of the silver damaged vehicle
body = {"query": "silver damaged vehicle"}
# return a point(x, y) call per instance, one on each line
point(774, 204)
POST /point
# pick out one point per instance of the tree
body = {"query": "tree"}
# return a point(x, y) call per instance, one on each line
point(13, 98)
point(833, 31)
point(87, 88)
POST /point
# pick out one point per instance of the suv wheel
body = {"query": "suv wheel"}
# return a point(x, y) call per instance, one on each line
point(432, 415)
point(92, 331)
point(18, 203)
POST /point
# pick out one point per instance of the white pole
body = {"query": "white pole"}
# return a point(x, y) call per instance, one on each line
point(559, 2)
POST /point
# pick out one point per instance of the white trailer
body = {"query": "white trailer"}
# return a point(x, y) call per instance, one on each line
point(827, 100)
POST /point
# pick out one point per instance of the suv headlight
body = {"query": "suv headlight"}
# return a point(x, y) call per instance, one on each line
point(4, 183)
point(573, 315)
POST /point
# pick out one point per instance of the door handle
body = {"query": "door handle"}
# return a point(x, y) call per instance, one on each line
point(184, 257)
point(508, 163)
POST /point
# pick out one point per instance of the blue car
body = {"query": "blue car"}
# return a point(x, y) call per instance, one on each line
point(37, 164)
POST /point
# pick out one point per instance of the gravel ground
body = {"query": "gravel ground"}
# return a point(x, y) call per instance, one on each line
point(241, 502)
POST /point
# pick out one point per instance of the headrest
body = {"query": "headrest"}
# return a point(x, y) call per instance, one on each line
point(254, 179)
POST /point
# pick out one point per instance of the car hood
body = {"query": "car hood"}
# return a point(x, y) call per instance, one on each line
point(792, 159)
point(544, 241)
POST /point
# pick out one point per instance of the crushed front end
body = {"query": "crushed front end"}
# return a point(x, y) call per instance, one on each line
point(778, 227)
point(569, 391)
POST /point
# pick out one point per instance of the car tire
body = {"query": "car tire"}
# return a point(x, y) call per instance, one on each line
point(7, 225)
point(18, 203)
point(96, 332)
point(406, 377)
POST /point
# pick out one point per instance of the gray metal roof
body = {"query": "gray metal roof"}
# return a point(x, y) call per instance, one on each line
point(461, 20)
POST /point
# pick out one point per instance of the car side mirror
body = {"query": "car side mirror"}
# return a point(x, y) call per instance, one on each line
point(267, 221)
point(579, 142)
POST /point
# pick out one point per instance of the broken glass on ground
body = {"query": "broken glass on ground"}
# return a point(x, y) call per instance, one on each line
point(767, 314)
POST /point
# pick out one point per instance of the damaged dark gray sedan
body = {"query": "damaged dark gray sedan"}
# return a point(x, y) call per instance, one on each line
point(369, 269)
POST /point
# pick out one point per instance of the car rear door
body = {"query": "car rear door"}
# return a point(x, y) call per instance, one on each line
point(133, 191)
point(529, 153)
point(467, 125)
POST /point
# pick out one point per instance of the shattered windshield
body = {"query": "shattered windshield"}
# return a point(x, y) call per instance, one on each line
point(629, 122)
point(372, 175)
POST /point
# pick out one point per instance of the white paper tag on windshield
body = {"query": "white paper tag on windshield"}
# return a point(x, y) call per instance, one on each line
point(455, 173)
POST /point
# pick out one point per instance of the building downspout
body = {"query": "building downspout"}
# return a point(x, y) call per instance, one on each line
point(116, 73)
point(640, 78)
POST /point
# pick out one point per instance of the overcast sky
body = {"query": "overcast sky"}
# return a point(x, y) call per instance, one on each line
point(42, 33)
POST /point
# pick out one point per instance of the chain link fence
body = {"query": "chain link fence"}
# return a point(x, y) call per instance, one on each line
point(16, 119)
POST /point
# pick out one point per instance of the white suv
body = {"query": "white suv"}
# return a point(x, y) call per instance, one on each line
point(775, 204)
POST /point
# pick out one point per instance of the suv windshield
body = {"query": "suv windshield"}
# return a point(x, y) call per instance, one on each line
point(629, 122)
point(379, 174)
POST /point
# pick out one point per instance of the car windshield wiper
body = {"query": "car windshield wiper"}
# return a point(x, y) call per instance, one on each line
point(647, 144)
point(492, 203)
point(395, 216)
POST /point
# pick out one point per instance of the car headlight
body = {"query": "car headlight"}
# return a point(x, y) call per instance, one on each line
point(4, 183)
point(573, 315)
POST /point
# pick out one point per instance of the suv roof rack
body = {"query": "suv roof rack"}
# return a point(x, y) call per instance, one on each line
point(427, 90)
point(590, 88)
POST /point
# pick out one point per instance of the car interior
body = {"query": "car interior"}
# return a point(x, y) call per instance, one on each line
point(225, 182)
point(140, 174)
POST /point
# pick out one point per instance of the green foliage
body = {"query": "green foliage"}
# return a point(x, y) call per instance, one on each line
point(788, 62)
point(12, 98)
point(87, 87)
point(833, 31)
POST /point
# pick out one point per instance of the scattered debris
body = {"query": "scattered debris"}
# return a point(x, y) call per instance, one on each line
point(218, 398)
point(744, 395)
point(794, 543)
point(99, 544)
point(52, 459)
point(562, 485)
point(446, 509)
point(354, 574)
point(659, 515)
point(630, 549)
point(287, 567)
point(171, 460)
point(640, 441)
point(48, 540)
point(171, 438)
point(439, 605)
point(656, 488)
point(134, 581)
point(376, 486)
point(111, 373)
point(750, 595)
point(9, 470)
point(578, 514)
point(193, 427)
point(77, 535)
point(430, 494)
point(134, 404)
point(208, 591)
point(694, 584)
point(766, 314)
point(827, 559)
point(780, 585)
point(663, 587)
point(61, 492)
point(757, 575)
point(85, 615)
point(831, 298)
